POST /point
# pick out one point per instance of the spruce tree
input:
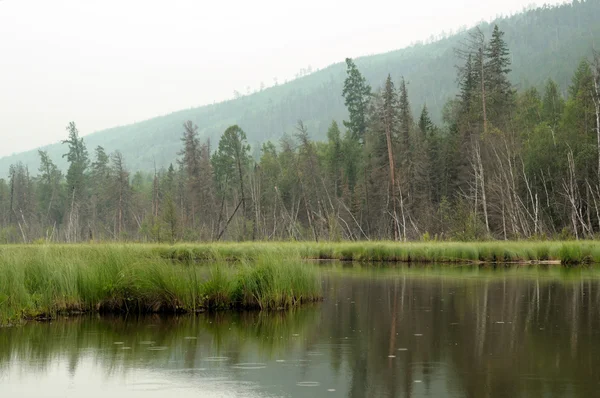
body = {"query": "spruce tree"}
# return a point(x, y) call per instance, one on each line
point(230, 164)
point(389, 115)
point(498, 87)
point(50, 190)
point(190, 163)
point(357, 94)
point(425, 123)
point(405, 121)
point(77, 157)
point(335, 157)
point(553, 105)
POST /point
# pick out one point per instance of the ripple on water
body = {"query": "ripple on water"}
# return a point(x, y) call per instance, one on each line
point(308, 384)
point(147, 342)
point(187, 370)
point(216, 359)
point(150, 386)
point(157, 348)
point(249, 366)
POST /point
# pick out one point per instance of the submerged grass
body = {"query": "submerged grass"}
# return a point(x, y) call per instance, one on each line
point(46, 280)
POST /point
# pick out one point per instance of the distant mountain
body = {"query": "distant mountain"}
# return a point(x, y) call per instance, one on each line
point(546, 42)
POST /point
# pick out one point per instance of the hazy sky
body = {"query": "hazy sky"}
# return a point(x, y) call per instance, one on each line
point(113, 62)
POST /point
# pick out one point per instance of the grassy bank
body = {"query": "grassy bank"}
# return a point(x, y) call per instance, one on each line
point(46, 280)
point(565, 252)
point(568, 253)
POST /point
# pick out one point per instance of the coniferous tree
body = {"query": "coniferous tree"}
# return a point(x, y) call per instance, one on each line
point(552, 106)
point(50, 194)
point(77, 194)
point(100, 182)
point(496, 69)
point(406, 122)
point(230, 164)
point(121, 194)
point(190, 162)
point(335, 156)
point(357, 94)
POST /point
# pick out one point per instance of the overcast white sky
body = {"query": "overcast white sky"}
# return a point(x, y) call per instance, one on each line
point(103, 63)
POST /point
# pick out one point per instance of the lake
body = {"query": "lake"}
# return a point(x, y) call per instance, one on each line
point(379, 332)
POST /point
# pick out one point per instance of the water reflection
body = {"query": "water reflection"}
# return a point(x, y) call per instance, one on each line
point(379, 333)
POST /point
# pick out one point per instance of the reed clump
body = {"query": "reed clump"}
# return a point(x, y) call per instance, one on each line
point(46, 280)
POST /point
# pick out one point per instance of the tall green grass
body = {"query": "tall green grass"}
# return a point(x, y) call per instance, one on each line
point(46, 280)
point(568, 253)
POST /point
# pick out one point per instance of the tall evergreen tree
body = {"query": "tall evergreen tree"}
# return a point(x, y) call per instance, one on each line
point(406, 121)
point(230, 164)
point(498, 86)
point(77, 157)
point(50, 191)
point(190, 162)
point(121, 193)
point(357, 94)
point(553, 105)
point(335, 158)
point(77, 194)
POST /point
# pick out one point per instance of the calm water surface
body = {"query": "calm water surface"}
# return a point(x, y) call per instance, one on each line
point(378, 333)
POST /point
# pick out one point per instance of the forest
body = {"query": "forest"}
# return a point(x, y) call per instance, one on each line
point(502, 164)
point(545, 42)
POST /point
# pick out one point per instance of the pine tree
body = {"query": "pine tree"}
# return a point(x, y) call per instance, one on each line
point(77, 157)
point(553, 105)
point(496, 68)
point(121, 194)
point(190, 163)
point(432, 156)
point(100, 200)
point(49, 191)
point(425, 123)
point(335, 158)
point(78, 163)
point(357, 94)
point(390, 120)
point(230, 164)
point(405, 121)
point(467, 85)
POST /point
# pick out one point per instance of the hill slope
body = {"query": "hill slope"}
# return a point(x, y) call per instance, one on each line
point(545, 43)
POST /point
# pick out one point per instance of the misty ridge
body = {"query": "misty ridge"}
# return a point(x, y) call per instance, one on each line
point(492, 132)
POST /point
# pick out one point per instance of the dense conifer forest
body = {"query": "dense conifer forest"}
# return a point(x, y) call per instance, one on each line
point(499, 162)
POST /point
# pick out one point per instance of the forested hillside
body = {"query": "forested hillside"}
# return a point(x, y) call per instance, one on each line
point(545, 43)
point(505, 161)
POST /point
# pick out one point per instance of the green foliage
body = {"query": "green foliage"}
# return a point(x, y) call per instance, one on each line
point(46, 280)
point(77, 157)
point(357, 95)
point(502, 164)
